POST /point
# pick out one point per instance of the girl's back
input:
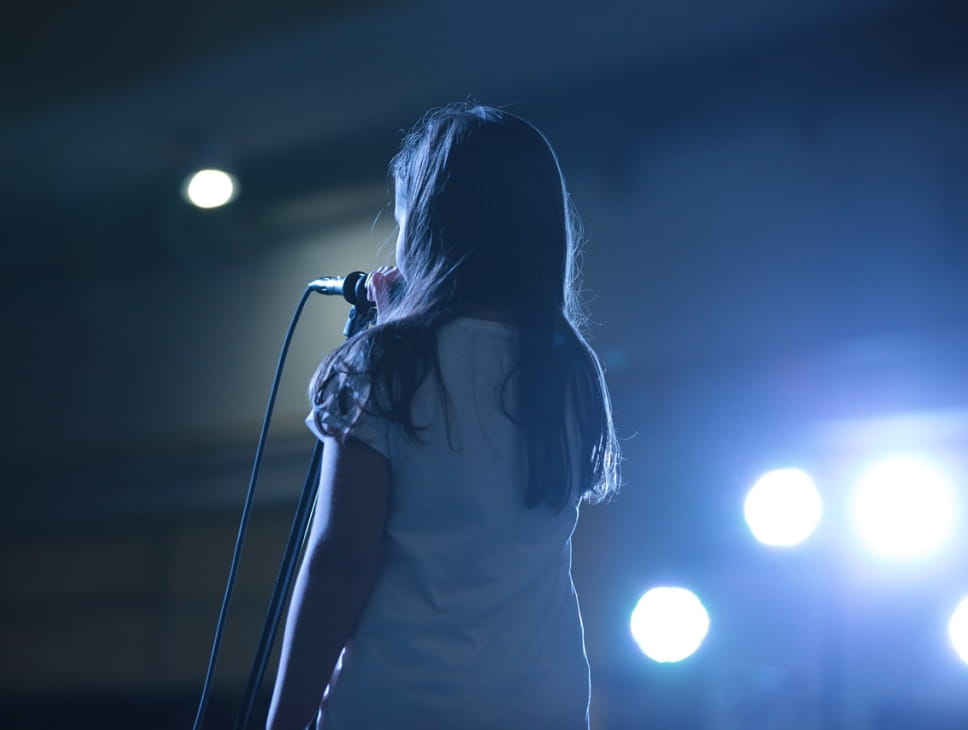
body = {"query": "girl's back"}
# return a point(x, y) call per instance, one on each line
point(473, 620)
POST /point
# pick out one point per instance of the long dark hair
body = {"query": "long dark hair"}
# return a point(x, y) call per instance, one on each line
point(488, 223)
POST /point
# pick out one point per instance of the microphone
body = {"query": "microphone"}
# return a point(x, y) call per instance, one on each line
point(351, 287)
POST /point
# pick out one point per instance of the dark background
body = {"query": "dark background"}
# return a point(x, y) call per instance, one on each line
point(775, 201)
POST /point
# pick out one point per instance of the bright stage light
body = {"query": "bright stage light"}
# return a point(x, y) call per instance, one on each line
point(210, 188)
point(958, 630)
point(783, 507)
point(903, 508)
point(669, 624)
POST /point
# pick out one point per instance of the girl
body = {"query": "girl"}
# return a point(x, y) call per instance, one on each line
point(461, 433)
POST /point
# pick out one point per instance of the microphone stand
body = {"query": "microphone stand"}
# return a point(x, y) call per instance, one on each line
point(357, 320)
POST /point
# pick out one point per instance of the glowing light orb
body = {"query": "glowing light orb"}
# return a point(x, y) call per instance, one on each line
point(783, 507)
point(669, 624)
point(903, 508)
point(210, 188)
point(958, 630)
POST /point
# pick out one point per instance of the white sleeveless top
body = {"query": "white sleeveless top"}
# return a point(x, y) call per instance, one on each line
point(473, 621)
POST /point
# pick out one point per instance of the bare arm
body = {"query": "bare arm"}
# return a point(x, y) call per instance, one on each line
point(342, 555)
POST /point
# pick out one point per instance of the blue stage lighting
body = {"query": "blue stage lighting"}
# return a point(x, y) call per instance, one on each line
point(903, 508)
point(958, 630)
point(669, 624)
point(783, 507)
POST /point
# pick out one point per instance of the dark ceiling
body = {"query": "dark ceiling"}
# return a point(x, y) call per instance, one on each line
point(63, 52)
point(107, 106)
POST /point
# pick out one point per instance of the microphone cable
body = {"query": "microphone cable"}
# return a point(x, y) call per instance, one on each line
point(354, 291)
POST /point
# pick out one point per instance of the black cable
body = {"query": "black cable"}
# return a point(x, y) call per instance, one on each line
point(243, 524)
point(290, 561)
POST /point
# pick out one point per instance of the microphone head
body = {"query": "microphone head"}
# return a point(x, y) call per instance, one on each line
point(354, 290)
point(352, 287)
